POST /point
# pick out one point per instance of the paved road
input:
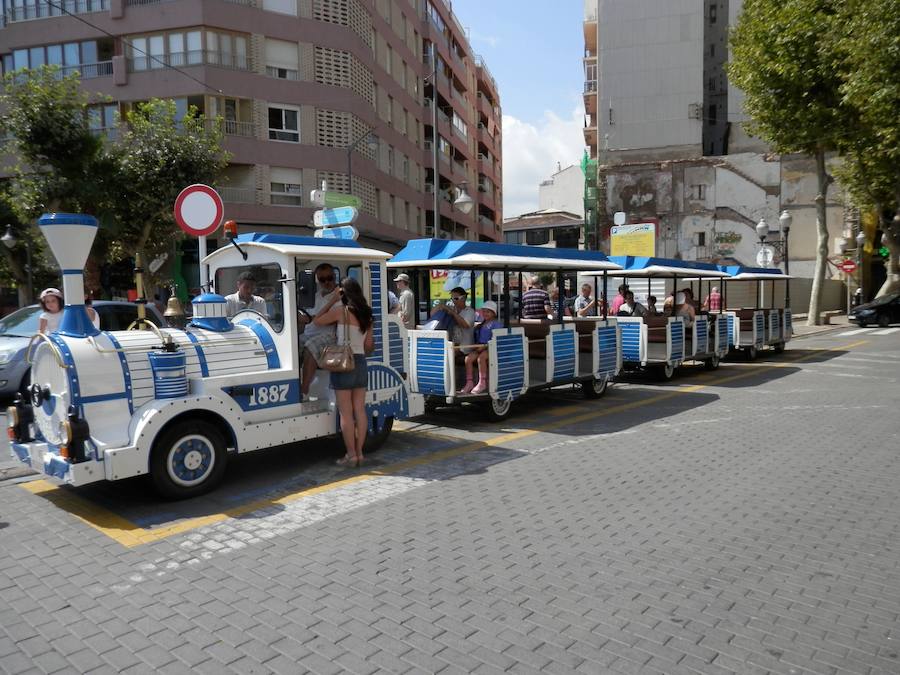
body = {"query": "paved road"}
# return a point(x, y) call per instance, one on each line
point(740, 521)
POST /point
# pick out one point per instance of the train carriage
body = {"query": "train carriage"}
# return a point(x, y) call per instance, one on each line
point(526, 354)
point(758, 317)
point(107, 405)
point(663, 343)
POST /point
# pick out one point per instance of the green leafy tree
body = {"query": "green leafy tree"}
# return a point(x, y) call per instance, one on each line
point(130, 183)
point(784, 61)
point(869, 65)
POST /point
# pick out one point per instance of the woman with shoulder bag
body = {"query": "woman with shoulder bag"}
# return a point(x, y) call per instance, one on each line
point(347, 363)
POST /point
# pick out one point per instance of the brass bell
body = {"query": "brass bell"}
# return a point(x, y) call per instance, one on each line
point(174, 313)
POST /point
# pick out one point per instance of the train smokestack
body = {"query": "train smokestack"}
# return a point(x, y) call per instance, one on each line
point(71, 236)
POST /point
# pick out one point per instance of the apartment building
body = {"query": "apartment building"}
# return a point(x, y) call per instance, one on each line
point(307, 91)
point(665, 127)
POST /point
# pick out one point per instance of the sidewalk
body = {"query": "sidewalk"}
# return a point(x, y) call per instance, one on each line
point(836, 322)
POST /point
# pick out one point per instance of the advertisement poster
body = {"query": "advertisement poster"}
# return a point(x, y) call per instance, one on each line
point(443, 281)
point(637, 239)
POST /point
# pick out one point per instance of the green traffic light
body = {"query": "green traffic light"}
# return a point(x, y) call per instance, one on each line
point(884, 252)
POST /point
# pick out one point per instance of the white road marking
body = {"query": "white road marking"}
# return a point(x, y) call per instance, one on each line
point(886, 331)
point(853, 332)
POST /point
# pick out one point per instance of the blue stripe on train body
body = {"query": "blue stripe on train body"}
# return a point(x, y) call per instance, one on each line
point(677, 332)
point(429, 366)
point(267, 341)
point(730, 322)
point(377, 309)
point(702, 345)
point(760, 320)
point(563, 354)
point(606, 341)
point(395, 346)
point(631, 341)
point(510, 365)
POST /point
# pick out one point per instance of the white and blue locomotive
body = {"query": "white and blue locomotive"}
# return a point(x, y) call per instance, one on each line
point(109, 405)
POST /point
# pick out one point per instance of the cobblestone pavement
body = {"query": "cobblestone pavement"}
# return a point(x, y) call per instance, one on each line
point(743, 521)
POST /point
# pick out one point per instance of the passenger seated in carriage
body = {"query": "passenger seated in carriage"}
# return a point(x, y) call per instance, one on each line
point(479, 352)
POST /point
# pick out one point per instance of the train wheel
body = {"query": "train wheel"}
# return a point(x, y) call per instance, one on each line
point(712, 363)
point(884, 321)
point(779, 347)
point(666, 372)
point(376, 440)
point(751, 353)
point(498, 410)
point(594, 388)
point(188, 459)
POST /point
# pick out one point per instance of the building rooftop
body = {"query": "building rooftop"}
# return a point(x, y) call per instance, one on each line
point(544, 218)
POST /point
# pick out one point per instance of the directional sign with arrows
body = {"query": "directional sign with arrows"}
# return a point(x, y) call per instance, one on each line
point(344, 215)
point(330, 200)
point(342, 232)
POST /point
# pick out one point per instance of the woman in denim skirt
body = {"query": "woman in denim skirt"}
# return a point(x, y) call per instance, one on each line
point(354, 315)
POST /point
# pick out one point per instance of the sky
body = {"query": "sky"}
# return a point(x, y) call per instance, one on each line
point(534, 51)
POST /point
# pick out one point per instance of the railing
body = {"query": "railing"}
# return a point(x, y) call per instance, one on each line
point(459, 96)
point(460, 132)
point(89, 71)
point(484, 221)
point(479, 61)
point(145, 2)
point(42, 10)
point(279, 199)
point(233, 127)
point(282, 73)
point(238, 195)
point(459, 167)
point(191, 58)
point(590, 86)
point(111, 133)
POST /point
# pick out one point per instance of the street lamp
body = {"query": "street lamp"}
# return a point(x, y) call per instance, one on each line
point(9, 240)
point(463, 201)
point(786, 220)
point(762, 230)
point(373, 145)
point(860, 245)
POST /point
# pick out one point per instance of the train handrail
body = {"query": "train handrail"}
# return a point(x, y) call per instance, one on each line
point(53, 348)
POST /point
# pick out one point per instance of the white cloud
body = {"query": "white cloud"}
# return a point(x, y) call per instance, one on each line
point(531, 153)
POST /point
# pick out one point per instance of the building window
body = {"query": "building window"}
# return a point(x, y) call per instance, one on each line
point(698, 191)
point(284, 124)
point(513, 237)
point(566, 237)
point(537, 237)
point(712, 51)
point(286, 194)
point(102, 119)
point(712, 13)
point(712, 114)
point(282, 59)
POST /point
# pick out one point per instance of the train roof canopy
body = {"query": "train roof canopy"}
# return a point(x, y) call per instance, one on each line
point(452, 254)
point(744, 273)
point(303, 247)
point(636, 266)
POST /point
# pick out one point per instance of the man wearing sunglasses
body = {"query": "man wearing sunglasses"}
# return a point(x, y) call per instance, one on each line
point(314, 338)
point(462, 332)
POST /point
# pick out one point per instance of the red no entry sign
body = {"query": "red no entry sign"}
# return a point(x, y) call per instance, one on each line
point(847, 266)
point(199, 210)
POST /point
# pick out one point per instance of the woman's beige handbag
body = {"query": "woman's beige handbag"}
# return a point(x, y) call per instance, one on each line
point(339, 358)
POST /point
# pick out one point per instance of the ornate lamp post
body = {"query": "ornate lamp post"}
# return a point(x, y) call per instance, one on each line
point(9, 240)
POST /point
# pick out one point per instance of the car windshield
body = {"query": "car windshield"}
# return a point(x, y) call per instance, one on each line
point(21, 323)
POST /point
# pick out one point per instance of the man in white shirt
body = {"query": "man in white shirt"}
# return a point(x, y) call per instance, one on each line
point(314, 338)
point(244, 298)
point(407, 301)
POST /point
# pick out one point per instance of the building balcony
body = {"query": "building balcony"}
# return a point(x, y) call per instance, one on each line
point(233, 127)
point(88, 71)
point(42, 10)
point(590, 86)
point(198, 57)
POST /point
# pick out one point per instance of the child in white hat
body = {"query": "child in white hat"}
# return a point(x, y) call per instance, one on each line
point(52, 303)
point(479, 351)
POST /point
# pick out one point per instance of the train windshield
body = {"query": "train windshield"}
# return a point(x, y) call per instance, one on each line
point(263, 294)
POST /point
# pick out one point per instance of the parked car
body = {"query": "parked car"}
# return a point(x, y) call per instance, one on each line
point(884, 311)
point(17, 328)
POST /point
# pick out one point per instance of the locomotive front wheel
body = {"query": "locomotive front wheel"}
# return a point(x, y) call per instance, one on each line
point(376, 440)
point(188, 459)
point(666, 372)
point(712, 363)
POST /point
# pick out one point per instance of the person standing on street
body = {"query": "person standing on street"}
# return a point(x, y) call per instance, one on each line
point(407, 301)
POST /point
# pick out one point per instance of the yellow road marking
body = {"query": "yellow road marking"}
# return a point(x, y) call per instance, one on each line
point(130, 535)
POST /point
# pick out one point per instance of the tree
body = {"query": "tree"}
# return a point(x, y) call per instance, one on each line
point(784, 61)
point(130, 183)
point(869, 65)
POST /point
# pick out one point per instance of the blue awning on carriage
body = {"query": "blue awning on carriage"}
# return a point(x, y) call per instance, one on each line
point(447, 254)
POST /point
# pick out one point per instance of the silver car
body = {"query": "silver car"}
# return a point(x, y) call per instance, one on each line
point(17, 328)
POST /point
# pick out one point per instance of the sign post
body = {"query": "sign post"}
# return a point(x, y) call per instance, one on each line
point(199, 212)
